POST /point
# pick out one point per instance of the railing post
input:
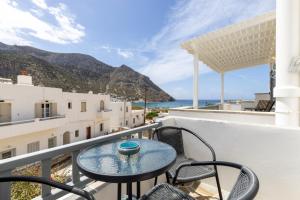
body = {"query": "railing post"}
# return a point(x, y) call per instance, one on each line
point(140, 135)
point(5, 188)
point(46, 173)
point(75, 171)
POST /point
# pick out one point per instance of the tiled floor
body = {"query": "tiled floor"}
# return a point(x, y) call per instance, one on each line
point(201, 191)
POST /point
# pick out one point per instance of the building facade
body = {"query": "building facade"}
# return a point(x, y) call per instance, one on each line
point(33, 118)
point(124, 116)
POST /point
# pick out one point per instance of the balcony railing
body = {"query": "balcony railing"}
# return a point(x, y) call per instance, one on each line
point(17, 122)
point(31, 120)
point(45, 157)
point(104, 114)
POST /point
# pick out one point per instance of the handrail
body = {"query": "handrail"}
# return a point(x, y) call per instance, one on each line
point(17, 122)
point(20, 160)
point(31, 120)
point(53, 117)
point(45, 156)
point(105, 110)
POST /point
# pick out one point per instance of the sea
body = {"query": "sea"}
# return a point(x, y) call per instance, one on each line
point(176, 103)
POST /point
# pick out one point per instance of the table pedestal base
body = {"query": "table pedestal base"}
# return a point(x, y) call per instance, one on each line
point(129, 195)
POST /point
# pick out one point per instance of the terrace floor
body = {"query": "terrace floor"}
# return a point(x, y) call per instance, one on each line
point(201, 191)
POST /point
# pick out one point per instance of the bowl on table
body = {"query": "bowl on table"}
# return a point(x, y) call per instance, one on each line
point(128, 148)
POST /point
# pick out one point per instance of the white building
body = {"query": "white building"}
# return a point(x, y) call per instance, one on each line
point(34, 118)
point(124, 116)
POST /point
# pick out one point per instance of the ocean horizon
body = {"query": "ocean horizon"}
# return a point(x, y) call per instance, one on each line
point(176, 103)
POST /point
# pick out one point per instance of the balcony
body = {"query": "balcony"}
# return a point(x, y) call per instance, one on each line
point(274, 161)
point(104, 114)
point(228, 115)
point(15, 128)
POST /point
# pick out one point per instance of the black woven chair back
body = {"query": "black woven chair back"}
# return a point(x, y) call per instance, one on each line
point(171, 136)
point(245, 187)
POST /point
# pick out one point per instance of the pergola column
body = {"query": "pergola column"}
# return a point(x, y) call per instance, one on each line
point(222, 88)
point(195, 82)
point(287, 90)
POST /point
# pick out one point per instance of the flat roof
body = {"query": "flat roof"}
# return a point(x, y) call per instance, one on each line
point(244, 44)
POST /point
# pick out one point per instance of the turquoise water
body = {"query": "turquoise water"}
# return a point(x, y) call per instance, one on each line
point(177, 103)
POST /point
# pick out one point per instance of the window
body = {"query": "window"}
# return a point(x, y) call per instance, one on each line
point(83, 106)
point(69, 105)
point(32, 147)
point(126, 123)
point(126, 108)
point(137, 117)
point(121, 108)
point(46, 110)
point(133, 120)
point(52, 142)
point(77, 133)
point(101, 127)
point(101, 105)
point(8, 154)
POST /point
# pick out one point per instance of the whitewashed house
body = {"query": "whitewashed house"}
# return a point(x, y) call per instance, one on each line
point(124, 116)
point(33, 118)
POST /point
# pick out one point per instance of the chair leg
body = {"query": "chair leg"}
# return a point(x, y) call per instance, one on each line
point(167, 177)
point(155, 181)
point(218, 184)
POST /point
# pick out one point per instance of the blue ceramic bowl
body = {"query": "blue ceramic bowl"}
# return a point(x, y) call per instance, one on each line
point(129, 148)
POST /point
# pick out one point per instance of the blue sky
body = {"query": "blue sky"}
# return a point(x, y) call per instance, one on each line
point(143, 34)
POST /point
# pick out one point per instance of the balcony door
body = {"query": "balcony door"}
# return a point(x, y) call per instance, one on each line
point(5, 112)
point(101, 105)
point(66, 138)
point(88, 133)
point(46, 110)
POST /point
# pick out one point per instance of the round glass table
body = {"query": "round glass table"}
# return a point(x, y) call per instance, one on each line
point(103, 162)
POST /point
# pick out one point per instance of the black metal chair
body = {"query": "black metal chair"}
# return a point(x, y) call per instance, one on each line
point(173, 136)
point(45, 181)
point(245, 187)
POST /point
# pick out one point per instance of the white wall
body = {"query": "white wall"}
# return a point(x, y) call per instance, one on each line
point(120, 116)
point(24, 97)
point(233, 116)
point(138, 115)
point(271, 152)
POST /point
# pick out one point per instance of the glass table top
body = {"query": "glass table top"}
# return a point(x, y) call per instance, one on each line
point(104, 162)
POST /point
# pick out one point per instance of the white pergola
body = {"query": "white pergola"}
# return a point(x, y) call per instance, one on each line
point(245, 44)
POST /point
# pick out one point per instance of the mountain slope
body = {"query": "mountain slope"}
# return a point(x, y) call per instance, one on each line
point(77, 71)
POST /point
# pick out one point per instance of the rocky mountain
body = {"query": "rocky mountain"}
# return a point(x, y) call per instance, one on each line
point(81, 72)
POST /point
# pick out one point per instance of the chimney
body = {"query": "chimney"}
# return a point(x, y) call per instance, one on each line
point(24, 78)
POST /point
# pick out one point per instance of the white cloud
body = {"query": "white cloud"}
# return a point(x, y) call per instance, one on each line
point(188, 19)
point(124, 53)
point(40, 3)
point(17, 26)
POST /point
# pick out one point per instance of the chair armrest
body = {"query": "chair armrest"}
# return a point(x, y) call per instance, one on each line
point(201, 163)
point(178, 168)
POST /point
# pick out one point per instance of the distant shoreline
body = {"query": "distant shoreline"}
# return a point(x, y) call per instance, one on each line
point(178, 103)
point(174, 104)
